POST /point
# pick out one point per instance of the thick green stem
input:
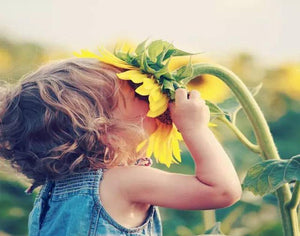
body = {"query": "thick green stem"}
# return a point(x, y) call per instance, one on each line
point(262, 133)
point(253, 147)
point(209, 218)
point(252, 110)
point(295, 197)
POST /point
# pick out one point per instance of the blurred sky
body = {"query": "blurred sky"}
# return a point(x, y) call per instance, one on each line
point(268, 29)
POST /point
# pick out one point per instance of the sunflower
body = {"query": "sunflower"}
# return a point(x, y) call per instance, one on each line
point(147, 68)
point(287, 81)
point(210, 87)
point(6, 60)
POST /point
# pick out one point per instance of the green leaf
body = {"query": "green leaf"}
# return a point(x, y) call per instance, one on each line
point(215, 110)
point(267, 176)
point(215, 230)
point(231, 106)
point(255, 90)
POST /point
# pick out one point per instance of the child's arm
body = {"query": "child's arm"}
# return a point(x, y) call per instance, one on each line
point(213, 166)
point(215, 183)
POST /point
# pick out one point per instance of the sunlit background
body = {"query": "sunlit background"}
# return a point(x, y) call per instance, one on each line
point(258, 40)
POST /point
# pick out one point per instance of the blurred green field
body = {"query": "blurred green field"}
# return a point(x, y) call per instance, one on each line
point(252, 216)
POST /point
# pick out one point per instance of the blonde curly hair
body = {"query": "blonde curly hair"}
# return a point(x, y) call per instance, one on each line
point(58, 120)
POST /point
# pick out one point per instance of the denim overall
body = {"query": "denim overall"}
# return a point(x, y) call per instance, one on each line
point(72, 207)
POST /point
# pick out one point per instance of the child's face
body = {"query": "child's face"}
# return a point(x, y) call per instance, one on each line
point(134, 109)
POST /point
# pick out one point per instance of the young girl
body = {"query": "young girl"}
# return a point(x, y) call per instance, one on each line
point(73, 127)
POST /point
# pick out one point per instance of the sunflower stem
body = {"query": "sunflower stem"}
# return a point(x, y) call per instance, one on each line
point(295, 197)
point(209, 219)
point(261, 131)
point(253, 147)
point(234, 115)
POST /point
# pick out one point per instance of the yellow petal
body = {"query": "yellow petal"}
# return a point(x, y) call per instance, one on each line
point(154, 105)
point(163, 144)
point(168, 142)
point(142, 91)
point(109, 58)
point(155, 94)
point(157, 142)
point(177, 134)
point(125, 47)
point(157, 112)
point(158, 102)
point(141, 145)
point(86, 54)
point(175, 147)
point(150, 83)
point(168, 158)
point(146, 87)
point(134, 75)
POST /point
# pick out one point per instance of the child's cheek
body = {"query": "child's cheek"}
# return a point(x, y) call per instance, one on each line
point(149, 125)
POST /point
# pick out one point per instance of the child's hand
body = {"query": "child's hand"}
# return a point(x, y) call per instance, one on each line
point(190, 112)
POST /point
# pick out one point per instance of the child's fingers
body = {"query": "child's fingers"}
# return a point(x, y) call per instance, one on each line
point(194, 94)
point(180, 95)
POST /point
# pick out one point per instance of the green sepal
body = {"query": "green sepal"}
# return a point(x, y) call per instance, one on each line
point(154, 66)
point(158, 47)
point(128, 57)
point(169, 87)
point(144, 64)
point(161, 57)
point(184, 71)
point(176, 52)
point(163, 71)
point(267, 176)
point(159, 51)
point(141, 48)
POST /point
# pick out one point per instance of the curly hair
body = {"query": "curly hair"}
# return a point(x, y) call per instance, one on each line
point(58, 120)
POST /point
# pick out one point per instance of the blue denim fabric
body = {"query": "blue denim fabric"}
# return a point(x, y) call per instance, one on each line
point(72, 207)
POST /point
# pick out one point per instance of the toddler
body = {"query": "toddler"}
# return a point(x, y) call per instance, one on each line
point(73, 127)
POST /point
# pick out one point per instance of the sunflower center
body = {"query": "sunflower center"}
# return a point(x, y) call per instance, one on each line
point(197, 81)
point(165, 117)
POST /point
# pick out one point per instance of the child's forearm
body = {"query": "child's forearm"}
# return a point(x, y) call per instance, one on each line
point(213, 167)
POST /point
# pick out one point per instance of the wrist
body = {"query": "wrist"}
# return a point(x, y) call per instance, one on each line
point(200, 129)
